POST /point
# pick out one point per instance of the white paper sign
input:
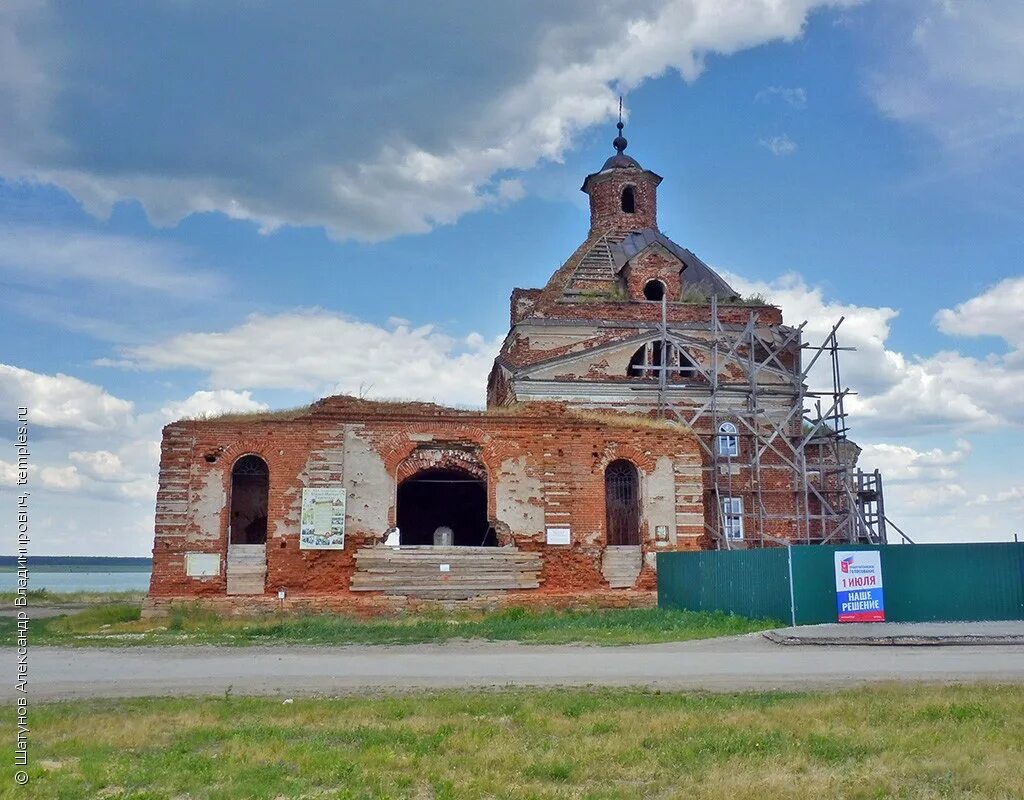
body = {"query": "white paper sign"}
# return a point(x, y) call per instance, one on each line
point(559, 536)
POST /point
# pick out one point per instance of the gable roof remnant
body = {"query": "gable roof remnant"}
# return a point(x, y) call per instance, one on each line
point(696, 274)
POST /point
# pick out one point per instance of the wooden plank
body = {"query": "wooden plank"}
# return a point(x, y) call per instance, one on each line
point(415, 570)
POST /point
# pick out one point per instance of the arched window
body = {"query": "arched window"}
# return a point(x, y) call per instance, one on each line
point(728, 440)
point(622, 503)
point(648, 361)
point(628, 200)
point(250, 487)
point(654, 290)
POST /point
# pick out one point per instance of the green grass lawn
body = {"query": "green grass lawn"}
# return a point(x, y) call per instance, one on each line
point(902, 742)
point(120, 625)
point(39, 597)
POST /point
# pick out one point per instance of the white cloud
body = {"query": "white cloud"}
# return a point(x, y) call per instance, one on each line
point(779, 145)
point(931, 492)
point(999, 311)
point(8, 474)
point(931, 499)
point(105, 476)
point(902, 464)
point(130, 472)
point(899, 393)
point(61, 401)
point(211, 403)
point(101, 465)
point(956, 72)
point(323, 353)
point(48, 254)
point(363, 162)
point(793, 96)
point(60, 479)
point(947, 391)
point(1014, 495)
point(866, 328)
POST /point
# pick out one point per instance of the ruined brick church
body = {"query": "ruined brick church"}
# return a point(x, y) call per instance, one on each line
point(638, 405)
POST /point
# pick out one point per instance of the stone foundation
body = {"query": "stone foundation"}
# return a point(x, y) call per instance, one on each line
point(383, 605)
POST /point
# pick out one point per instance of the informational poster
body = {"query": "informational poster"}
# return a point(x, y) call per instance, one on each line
point(859, 593)
point(322, 525)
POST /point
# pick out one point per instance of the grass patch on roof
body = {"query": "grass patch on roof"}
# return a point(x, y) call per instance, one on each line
point(245, 416)
point(697, 296)
point(624, 420)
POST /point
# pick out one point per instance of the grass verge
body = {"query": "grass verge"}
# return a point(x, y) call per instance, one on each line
point(912, 743)
point(40, 597)
point(120, 624)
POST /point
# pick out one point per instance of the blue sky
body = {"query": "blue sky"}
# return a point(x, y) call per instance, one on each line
point(212, 206)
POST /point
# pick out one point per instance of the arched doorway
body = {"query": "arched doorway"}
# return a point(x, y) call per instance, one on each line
point(622, 503)
point(443, 497)
point(250, 487)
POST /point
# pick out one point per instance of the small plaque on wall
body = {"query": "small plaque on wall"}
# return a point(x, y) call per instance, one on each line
point(322, 525)
point(559, 536)
point(202, 565)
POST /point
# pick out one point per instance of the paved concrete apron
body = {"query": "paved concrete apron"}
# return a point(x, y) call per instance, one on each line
point(744, 662)
point(890, 633)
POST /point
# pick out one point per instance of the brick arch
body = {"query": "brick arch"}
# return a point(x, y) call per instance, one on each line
point(394, 447)
point(228, 457)
point(467, 462)
point(441, 458)
point(226, 461)
point(247, 447)
point(642, 460)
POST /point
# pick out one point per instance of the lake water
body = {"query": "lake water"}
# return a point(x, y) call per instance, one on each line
point(79, 581)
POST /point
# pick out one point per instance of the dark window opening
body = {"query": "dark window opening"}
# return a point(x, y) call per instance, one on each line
point(768, 356)
point(628, 200)
point(654, 290)
point(433, 500)
point(649, 360)
point(250, 487)
point(622, 502)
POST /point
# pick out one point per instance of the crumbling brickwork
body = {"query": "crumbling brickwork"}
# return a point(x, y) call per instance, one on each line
point(594, 338)
point(543, 468)
point(594, 372)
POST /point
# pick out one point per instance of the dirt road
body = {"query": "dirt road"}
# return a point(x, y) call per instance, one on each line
point(737, 663)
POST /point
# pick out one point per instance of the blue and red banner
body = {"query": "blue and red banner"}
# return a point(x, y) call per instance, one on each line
point(860, 596)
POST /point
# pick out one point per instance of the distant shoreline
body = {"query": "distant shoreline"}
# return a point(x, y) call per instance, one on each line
point(79, 564)
point(47, 569)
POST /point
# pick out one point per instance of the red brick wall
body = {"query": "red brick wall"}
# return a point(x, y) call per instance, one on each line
point(606, 200)
point(558, 451)
point(653, 265)
point(651, 312)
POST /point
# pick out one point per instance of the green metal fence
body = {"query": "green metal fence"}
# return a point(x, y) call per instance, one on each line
point(923, 582)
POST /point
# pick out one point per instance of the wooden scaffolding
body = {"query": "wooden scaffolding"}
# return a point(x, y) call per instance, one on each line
point(825, 497)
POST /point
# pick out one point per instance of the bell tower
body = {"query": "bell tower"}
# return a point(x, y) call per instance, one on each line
point(623, 195)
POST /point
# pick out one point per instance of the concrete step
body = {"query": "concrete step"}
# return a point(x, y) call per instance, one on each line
point(245, 585)
point(621, 565)
point(247, 569)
